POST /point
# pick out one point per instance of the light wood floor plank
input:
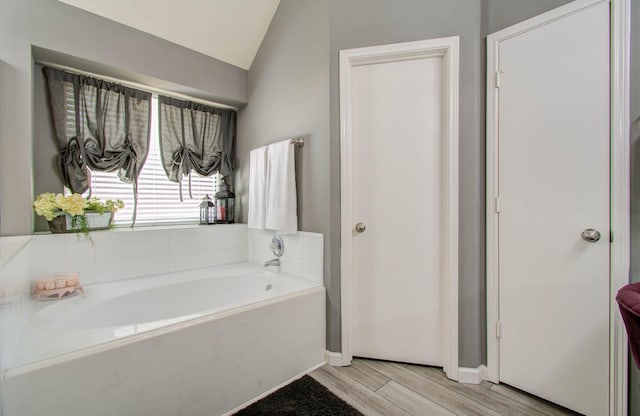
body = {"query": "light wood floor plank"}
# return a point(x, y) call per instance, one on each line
point(364, 375)
point(364, 400)
point(411, 401)
point(380, 388)
point(542, 406)
point(434, 391)
point(495, 401)
point(486, 384)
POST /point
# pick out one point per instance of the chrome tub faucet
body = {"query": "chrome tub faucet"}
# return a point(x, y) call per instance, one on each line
point(272, 262)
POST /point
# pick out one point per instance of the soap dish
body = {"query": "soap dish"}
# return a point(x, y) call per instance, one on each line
point(58, 286)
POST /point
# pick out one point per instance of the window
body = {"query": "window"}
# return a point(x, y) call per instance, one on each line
point(158, 198)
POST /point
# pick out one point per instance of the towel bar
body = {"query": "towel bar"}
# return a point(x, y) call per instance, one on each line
point(297, 142)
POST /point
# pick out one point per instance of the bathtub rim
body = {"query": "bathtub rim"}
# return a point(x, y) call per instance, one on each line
point(141, 284)
point(153, 333)
point(11, 246)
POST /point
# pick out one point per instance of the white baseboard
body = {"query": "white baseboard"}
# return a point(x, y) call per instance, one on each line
point(334, 359)
point(472, 375)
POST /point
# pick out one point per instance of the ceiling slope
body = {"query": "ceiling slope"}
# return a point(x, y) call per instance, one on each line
point(228, 30)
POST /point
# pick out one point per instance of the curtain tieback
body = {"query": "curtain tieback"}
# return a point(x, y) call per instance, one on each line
point(181, 165)
point(129, 172)
point(128, 159)
point(72, 165)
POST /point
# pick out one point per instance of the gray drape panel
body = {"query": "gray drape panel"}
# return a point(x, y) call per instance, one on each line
point(195, 137)
point(100, 125)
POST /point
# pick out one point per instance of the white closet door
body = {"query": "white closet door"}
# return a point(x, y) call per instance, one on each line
point(553, 136)
point(398, 195)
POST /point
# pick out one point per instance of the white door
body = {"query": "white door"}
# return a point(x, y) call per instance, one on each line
point(553, 164)
point(397, 167)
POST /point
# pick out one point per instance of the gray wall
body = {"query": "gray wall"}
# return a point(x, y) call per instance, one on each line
point(635, 181)
point(359, 23)
point(289, 96)
point(105, 46)
point(499, 14)
point(292, 85)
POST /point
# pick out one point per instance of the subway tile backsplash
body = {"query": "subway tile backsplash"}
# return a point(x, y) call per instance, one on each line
point(125, 254)
point(303, 252)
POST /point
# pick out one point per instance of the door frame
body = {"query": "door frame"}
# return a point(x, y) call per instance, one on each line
point(619, 188)
point(448, 49)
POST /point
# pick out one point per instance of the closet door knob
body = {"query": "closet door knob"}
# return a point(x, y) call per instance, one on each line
point(360, 227)
point(590, 235)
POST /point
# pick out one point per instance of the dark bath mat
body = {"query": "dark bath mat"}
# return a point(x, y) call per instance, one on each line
point(303, 397)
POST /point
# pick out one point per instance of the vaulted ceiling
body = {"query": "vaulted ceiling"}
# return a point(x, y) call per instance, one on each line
point(228, 30)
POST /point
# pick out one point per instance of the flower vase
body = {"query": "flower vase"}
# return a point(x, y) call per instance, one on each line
point(95, 221)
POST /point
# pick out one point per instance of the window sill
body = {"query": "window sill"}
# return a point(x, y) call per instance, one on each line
point(127, 229)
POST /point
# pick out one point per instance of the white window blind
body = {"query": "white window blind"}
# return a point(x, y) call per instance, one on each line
point(158, 198)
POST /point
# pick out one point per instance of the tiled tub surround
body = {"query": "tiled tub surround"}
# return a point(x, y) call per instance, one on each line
point(303, 252)
point(14, 262)
point(14, 265)
point(109, 256)
point(209, 363)
point(115, 310)
point(125, 253)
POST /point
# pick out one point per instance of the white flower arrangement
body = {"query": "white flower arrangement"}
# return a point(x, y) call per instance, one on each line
point(50, 206)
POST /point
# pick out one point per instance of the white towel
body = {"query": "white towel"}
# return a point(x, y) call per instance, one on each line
point(257, 196)
point(281, 208)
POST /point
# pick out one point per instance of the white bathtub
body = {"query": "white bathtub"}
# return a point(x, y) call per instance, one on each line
point(201, 342)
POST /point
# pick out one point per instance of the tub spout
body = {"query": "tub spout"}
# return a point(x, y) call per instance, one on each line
point(272, 262)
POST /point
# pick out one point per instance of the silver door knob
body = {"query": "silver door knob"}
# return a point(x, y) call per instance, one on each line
point(590, 235)
point(360, 227)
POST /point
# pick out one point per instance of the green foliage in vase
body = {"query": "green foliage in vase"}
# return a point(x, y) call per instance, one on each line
point(50, 206)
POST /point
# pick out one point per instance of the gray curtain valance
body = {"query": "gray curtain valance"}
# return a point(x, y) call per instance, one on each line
point(195, 137)
point(99, 125)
